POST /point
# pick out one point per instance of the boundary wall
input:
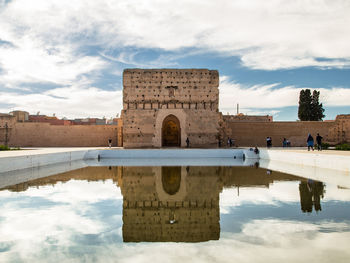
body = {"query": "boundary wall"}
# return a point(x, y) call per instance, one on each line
point(244, 133)
point(255, 133)
point(34, 134)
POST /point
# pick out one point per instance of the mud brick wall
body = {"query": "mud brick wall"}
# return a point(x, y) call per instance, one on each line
point(149, 96)
point(255, 133)
point(46, 135)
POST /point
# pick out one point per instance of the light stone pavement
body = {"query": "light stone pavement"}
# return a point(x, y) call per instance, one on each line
point(49, 150)
point(304, 150)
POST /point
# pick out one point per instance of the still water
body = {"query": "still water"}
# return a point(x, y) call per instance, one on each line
point(174, 214)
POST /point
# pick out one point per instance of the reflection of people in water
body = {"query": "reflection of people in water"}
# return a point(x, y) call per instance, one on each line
point(311, 193)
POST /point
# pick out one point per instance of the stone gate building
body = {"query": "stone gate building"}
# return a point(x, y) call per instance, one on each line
point(164, 107)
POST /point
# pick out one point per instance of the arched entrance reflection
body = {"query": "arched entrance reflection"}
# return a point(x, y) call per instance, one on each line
point(171, 179)
point(171, 132)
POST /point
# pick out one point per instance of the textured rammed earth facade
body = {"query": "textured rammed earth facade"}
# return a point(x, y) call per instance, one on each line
point(151, 95)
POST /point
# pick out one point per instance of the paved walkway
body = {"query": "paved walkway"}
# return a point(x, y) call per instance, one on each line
point(34, 151)
point(47, 150)
point(304, 150)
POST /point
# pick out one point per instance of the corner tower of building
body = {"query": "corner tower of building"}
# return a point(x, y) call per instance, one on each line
point(164, 107)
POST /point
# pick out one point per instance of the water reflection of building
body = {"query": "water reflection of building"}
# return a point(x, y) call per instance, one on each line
point(178, 204)
point(170, 204)
point(311, 193)
point(181, 203)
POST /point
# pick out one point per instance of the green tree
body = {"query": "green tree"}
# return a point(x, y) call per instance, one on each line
point(304, 110)
point(316, 108)
point(310, 108)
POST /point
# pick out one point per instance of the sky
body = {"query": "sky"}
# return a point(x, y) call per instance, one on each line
point(67, 57)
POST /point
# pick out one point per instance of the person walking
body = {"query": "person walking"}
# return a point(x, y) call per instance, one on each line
point(188, 143)
point(284, 143)
point(269, 142)
point(310, 142)
point(109, 142)
point(319, 142)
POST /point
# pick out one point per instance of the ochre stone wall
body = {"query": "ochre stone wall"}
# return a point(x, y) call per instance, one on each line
point(149, 96)
point(255, 133)
point(33, 134)
point(340, 132)
point(10, 121)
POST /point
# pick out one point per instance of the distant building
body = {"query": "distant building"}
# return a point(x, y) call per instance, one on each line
point(21, 116)
point(89, 121)
point(48, 119)
point(114, 121)
point(249, 118)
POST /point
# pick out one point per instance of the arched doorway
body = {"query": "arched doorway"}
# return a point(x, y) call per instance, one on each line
point(171, 132)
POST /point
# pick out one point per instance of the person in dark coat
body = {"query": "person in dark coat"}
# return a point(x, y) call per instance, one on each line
point(284, 143)
point(187, 142)
point(319, 142)
point(268, 142)
point(310, 142)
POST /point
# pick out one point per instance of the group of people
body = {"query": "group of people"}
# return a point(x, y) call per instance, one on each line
point(285, 143)
point(310, 142)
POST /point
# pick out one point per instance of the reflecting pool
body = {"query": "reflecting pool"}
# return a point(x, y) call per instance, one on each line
point(172, 214)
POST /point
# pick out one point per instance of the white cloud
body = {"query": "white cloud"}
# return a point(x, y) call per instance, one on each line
point(276, 193)
point(34, 228)
point(70, 102)
point(49, 41)
point(37, 232)
point(31, 63)
point(271, 96)
point(273, 35)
